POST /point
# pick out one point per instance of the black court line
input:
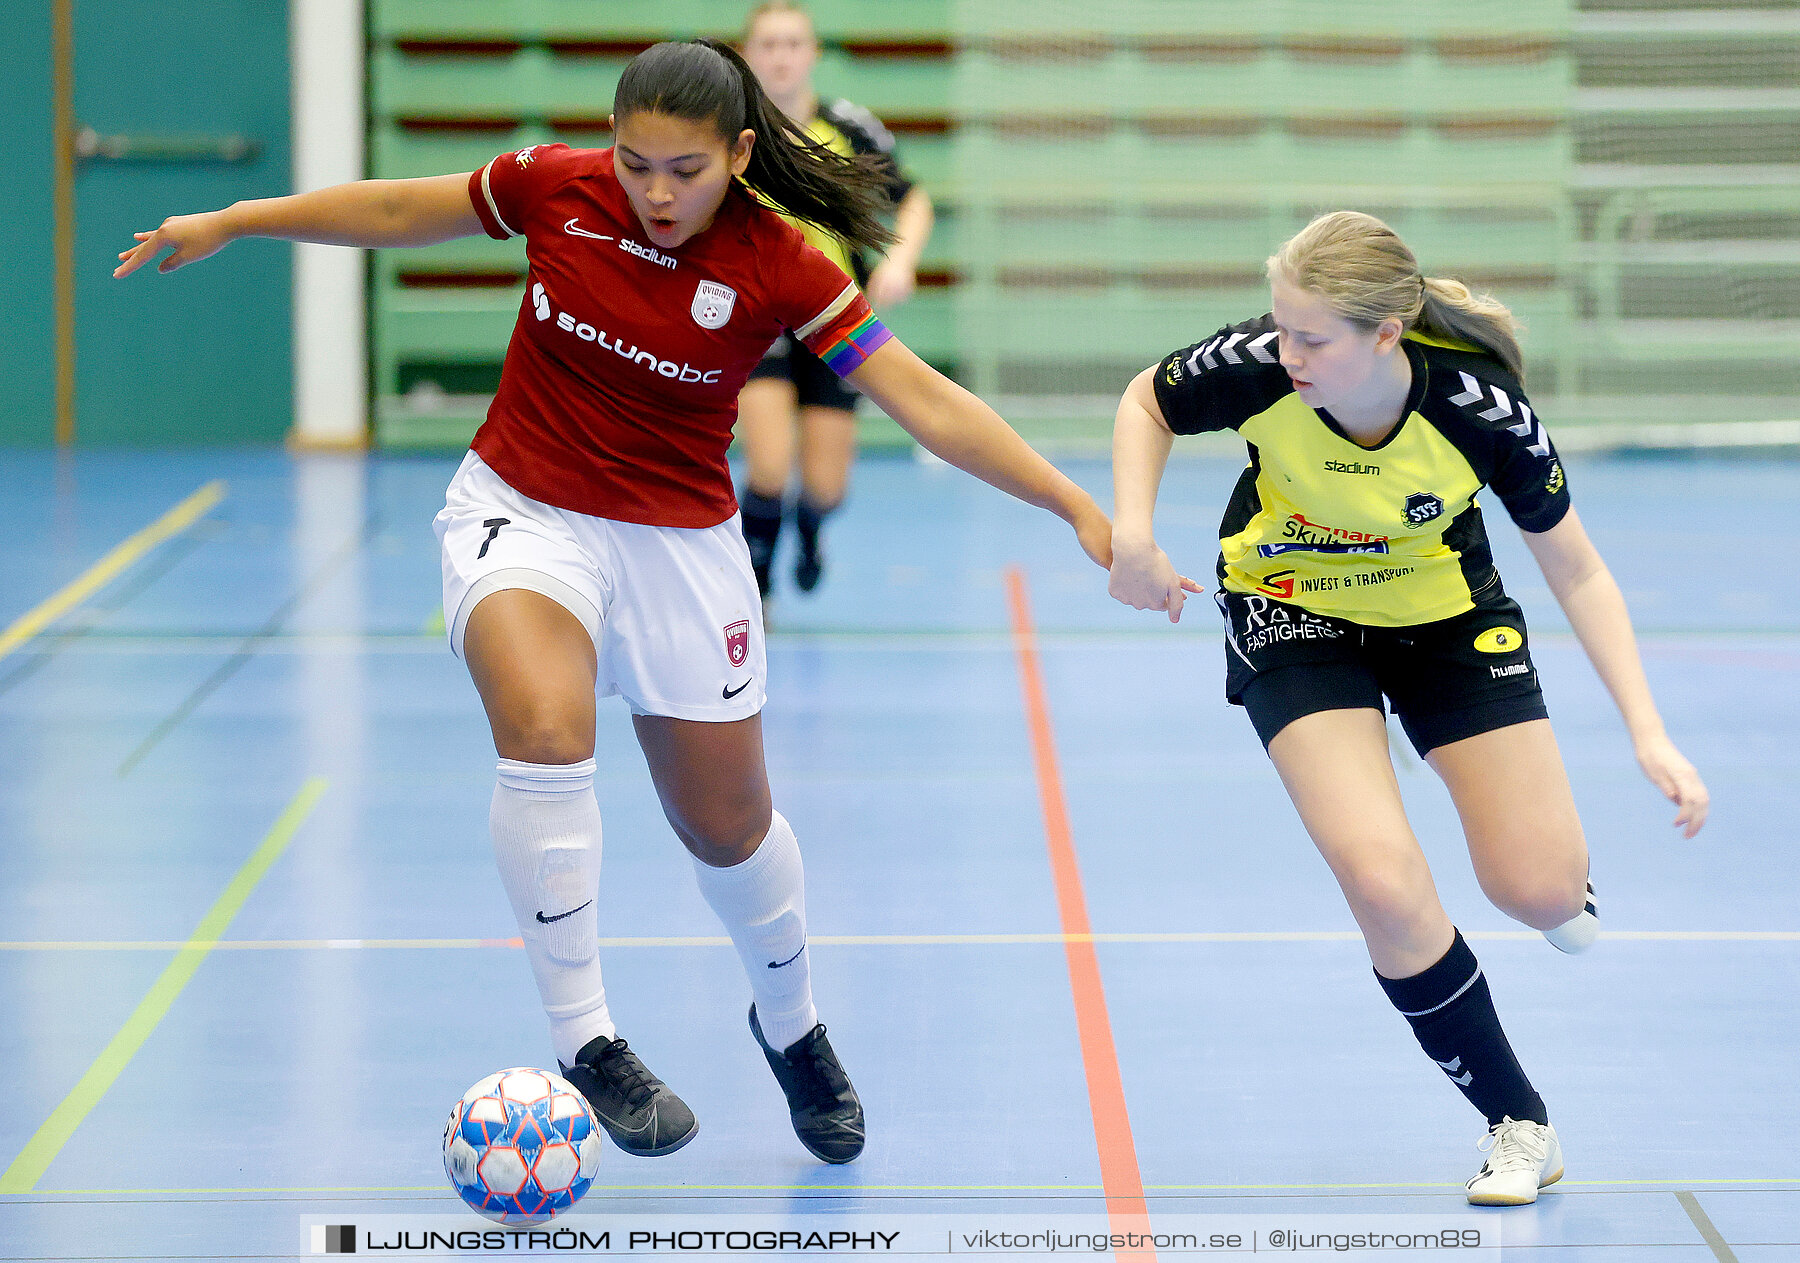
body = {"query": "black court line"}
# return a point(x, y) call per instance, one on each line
point(248, 647)
point(1708, 1233)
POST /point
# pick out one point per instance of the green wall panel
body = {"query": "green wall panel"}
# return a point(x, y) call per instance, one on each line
point(27, 349)
point(204, 355)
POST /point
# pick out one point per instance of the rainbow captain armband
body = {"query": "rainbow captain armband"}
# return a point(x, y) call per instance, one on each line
point(848, 352)
point(846, 333)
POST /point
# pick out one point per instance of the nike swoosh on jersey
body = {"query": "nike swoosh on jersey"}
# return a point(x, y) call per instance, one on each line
point(574, 229)
point(731, 693)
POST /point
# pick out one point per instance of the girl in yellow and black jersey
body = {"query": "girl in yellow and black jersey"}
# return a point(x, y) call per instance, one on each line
point(1355, 573)
point(795, 416)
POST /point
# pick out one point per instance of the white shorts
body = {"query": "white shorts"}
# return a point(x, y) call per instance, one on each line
point(673, 612)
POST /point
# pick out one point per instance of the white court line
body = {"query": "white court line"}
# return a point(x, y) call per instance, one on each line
point(866, 940)
point(706, 1191)
point(1114, 640)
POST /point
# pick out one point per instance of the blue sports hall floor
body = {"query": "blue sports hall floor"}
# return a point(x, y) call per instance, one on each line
point(1070, 939)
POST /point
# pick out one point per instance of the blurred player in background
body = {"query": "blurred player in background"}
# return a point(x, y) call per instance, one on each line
point(587, 540)
point(793, 401)
point(1354, 564)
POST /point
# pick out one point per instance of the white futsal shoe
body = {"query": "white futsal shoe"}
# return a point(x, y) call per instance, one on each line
point(1523, 1157)
point(1578, 933)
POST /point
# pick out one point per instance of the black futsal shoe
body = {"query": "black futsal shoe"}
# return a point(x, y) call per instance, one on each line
point(827, 1116)
point(637, 1109)
point(809, 568)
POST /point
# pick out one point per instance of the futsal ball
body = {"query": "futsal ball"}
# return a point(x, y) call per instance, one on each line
point(521, 1146)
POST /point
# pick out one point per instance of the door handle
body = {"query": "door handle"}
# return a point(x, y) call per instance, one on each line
point(228, 149)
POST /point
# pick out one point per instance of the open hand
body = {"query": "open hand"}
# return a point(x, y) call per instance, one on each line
point(890, 284)
point(193, 237)
point(1677, 779)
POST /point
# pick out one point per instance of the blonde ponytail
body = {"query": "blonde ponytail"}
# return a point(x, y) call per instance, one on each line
point(1454, 312)
point(1366, 274)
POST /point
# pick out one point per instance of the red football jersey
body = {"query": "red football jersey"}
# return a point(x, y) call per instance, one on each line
point(621, 380)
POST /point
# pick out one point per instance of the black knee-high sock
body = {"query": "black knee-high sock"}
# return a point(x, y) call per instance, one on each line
point(1452, 1014)
point(762, 527)
point(809, 516)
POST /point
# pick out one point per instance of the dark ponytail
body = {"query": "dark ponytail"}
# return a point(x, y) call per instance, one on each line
point(704, 80)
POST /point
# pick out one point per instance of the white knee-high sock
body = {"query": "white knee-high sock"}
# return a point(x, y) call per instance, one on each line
point(546, 829)
point(762, 902)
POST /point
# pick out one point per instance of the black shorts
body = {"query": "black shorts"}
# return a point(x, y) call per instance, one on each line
point(1446, 681)
point(816, 385)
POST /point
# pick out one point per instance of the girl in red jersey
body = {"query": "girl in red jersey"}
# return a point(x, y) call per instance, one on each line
point(588, 541)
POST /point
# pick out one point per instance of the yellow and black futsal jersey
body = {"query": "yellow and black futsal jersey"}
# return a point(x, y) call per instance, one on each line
point(847, 129)
point(1384, 536)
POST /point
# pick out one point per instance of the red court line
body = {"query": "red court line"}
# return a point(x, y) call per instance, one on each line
point(1119, 1175)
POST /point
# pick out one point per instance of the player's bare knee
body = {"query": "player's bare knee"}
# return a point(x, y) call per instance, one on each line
point(1393, 897)
point(826, 496)
point(721, 836)
point(1541, 900)
point(545, 732)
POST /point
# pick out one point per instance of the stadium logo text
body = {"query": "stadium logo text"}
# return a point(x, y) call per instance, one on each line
point(648, 253)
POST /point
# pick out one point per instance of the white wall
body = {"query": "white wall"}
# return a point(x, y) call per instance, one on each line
point(330, 316)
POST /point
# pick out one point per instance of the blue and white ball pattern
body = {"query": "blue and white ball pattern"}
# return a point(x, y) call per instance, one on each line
point(522, 1145)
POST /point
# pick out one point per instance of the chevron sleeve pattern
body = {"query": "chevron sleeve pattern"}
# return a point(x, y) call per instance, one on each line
point(1222, 381)
point(1484, 412)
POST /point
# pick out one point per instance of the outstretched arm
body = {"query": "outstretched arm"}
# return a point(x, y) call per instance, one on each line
point(1588, 594)
point(1142, 575)
point(950, 422)
point(369, 213)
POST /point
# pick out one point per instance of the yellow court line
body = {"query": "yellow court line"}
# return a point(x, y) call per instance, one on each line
point(26, 1169)
point(857, 940)
point(102, 572)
